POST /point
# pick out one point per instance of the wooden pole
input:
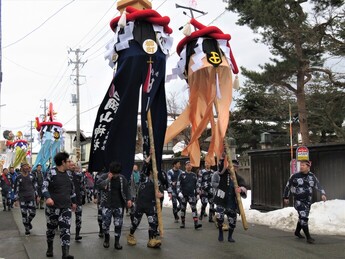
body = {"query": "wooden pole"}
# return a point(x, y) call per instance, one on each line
point(234, 179)
point(291, 147)
point(155, 174)
point(233, 175)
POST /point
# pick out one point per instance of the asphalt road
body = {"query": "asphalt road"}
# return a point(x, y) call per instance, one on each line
point(257, 242)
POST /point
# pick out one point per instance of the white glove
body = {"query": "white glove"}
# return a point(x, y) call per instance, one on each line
point(180, 195)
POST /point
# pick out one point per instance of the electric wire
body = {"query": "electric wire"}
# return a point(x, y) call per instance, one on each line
point(50, 17)
point(110, 8)
point(27, 69)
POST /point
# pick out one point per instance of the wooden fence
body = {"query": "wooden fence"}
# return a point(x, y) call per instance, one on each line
point(270, 170)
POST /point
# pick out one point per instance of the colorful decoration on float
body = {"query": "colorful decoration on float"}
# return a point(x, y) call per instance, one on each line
point(16, 149)
point(50, 137)
point(206, 63)
point(139, 50)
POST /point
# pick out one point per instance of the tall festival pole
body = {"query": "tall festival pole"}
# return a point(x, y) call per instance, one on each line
point(291, 147)
point(155, 174)
point(234, 179)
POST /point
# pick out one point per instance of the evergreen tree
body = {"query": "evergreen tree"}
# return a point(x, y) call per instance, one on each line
point(298, 40)
point(260, 110)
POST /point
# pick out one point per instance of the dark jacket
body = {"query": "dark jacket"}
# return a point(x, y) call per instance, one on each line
point(224, 191)
point(59, 187)
point(25, 188)
point(188, 184)
point(301, 185)
point(106, 185)
point(6, 183)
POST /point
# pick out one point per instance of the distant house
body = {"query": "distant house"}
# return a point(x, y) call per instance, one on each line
point(70, 138)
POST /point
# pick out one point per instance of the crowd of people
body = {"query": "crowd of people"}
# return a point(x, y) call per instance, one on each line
point(65, 188)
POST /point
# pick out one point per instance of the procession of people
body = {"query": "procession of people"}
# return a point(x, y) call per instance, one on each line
point(64, 190)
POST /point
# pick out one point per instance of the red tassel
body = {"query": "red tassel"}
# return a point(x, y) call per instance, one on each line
point(148, 79)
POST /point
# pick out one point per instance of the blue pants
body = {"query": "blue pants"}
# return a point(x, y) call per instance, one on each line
point(78, 216)
point(152, 219)
point(28, 210)
point(230, 213)
point(107, 215)
point(192, 202)
point(59, 218)
point(303, 209)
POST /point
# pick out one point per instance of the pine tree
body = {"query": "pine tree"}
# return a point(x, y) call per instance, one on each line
point(299, 34)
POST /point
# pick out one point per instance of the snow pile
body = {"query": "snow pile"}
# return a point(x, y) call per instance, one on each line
point(325, 218)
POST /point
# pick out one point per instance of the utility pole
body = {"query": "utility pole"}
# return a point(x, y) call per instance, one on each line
point(30, 140)
point(44, 109)
point(0, 54)
point(77, 64)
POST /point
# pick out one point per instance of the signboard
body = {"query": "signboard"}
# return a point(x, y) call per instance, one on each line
point(302, 153)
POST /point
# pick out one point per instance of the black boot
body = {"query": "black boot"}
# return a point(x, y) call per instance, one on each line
point(176, 217)
point(49, 252)
point(106, 240)
point(197, 224)
point(310, 240)
point(117, 245)
point(100, 233)
point(220, 234)
point(65, 253)
point(210, 215)
point(77, 234)
point(183, 225)
point(230, 239)
point(298, 231)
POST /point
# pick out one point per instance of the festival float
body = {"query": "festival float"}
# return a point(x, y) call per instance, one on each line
point(207, 64)
point(139, 51)
point(16, 149)
point(50, 137)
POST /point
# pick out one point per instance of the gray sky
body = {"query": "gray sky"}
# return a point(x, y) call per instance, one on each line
point(36, 35)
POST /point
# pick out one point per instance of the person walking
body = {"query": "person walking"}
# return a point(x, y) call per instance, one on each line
point(301, 186)
point(116, 195)
point(39, 178)
point(225, 198)
point(173, 174)
point(206, 195)
point(58, 190)
point(134, 185)
point(90, 182)
point(26, 195)
point(13, 174)
point(187, 189)
point(97, 197)
point(146, 204)
point(80, 189)
point(6, 189)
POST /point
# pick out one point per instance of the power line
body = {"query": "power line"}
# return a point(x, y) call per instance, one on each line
point(94, 107)
point(220, 15)
point(22, 38)
point(55, 86)
point(161, 4)
point(111, 7)
point(25, 68)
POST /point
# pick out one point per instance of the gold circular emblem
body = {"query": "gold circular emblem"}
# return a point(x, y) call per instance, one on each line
point(150, 46)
